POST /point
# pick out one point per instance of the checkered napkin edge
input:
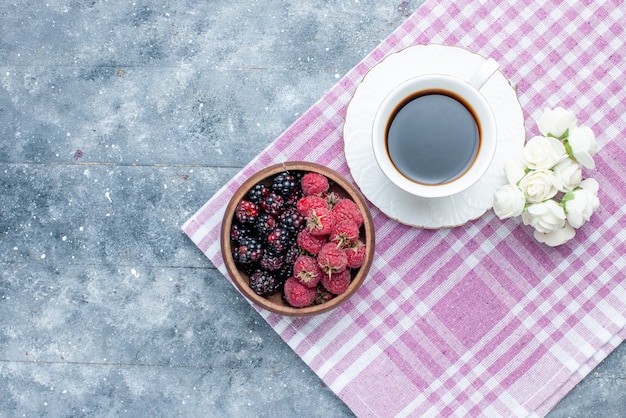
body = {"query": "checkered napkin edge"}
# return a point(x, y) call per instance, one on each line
point(478, 320)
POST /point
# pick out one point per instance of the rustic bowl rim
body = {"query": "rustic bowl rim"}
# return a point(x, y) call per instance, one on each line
point(241, 281)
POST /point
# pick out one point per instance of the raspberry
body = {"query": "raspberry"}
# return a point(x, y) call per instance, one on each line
point(347, 209)
point(332, 198)
point(307, 271)
point(284, 184)
point(308, 203)
point(332, 259)
point(319, 222)
point(264, 283)
point(257, 193)
point(279, 240)
point(246, 211)
point(310, 243)
point(265, 224)
point(344, 233)
point(337, 283)
point(356, 254)
point(314, 184)
point(273, 204)
point(298, 295)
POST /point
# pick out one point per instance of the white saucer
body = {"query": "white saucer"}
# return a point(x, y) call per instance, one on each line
point(391, 200)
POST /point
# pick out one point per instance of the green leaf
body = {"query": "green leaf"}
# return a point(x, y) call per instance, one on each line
point(568, 149)
point(562, 137)
point(567, 196)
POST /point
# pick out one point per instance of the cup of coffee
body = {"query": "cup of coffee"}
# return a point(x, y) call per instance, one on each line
point(435, 135)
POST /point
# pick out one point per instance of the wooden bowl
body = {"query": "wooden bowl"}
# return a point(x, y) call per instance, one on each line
point(275, 303)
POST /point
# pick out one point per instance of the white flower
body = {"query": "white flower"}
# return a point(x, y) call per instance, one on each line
point(583, 144)
point(545, 217)
point(581, 203)
point(555, 122)
point(557, 237)
point(569, 173)
point(545, 182)
point(509, 201)
point(539, 185)
point(514, 170)
point(543, 152)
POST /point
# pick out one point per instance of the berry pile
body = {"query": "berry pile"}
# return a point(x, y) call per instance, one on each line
point(292, 234)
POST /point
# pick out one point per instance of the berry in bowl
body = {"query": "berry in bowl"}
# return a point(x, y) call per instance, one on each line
point(297, 238)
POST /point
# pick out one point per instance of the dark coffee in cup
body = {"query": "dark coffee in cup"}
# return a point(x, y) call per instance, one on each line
point(433, 137)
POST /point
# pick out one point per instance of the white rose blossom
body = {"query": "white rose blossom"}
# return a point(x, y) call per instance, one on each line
point(569, 174)
point(509, 202)
point(557, 237)
point(539, 185)
point(581, 203)
point(515, 170)
point(556, 122)
point(583, 144)
point(543, 152)
point(545, 217)
point(545, 185)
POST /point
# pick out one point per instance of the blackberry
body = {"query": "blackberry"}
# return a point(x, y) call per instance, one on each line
point(294, 197)
point(249, 251)
point(297, 174)
point(239, 231)
point(322, 295)
point(271, 261)
point(247, 211)
point(292, 253)
point(284, 184)
point(264, 283)
point(265, 224)
point(292, 220)
point(283, 273)
point(257, 193)
point(273, 204)
point(279, 240)
point(248, 268)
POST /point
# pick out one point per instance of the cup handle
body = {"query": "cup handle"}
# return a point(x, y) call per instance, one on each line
point(484, 73)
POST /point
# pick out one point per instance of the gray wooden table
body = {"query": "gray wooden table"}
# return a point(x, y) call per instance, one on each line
point(118, 120)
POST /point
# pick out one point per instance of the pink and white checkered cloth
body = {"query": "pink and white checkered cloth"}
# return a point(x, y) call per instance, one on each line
point(479, 320)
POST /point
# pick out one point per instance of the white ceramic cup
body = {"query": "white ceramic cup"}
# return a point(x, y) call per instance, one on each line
point(465, 91)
